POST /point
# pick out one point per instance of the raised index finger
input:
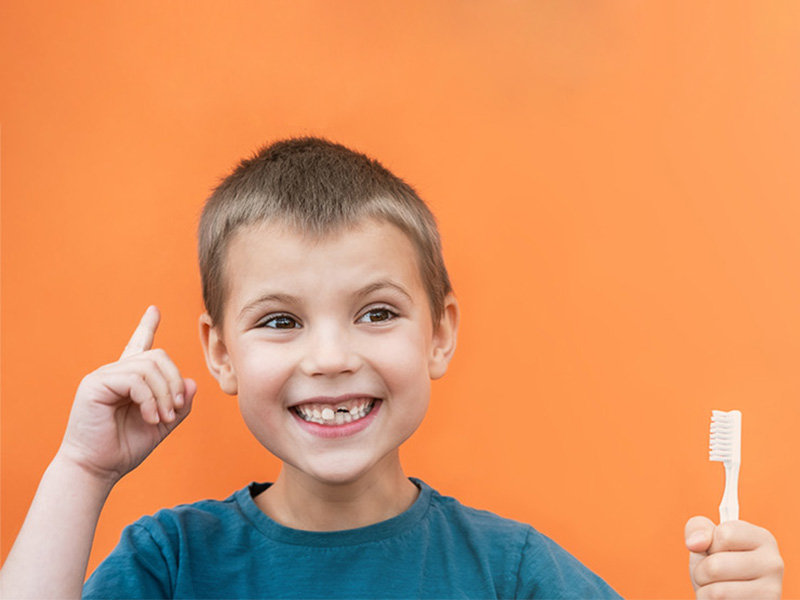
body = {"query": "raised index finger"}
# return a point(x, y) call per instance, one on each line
point(142, 338)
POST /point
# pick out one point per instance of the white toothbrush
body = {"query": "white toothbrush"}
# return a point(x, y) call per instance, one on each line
point(726, 447)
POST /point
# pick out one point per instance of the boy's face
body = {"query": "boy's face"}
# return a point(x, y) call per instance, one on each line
point(329, 344)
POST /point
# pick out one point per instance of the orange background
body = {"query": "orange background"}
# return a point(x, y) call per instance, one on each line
point(617, 186)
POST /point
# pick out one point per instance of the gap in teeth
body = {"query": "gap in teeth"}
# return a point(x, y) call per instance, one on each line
point(326, 414)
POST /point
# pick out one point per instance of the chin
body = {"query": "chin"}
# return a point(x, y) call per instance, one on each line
point(337, 474)
point(341, 468)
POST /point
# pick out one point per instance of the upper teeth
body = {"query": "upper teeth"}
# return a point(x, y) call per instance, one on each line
point(343, 413)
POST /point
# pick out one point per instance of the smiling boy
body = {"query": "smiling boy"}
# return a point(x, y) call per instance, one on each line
point(346, 328)
point(328, 312)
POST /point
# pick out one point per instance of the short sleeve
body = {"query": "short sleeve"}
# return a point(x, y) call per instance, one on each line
point(546, 570)
point(139, 567)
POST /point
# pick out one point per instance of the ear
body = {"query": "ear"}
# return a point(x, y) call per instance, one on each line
point(444, 338)
point(217, 357)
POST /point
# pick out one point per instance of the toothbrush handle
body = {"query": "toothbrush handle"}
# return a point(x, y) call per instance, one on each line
point(729, 507)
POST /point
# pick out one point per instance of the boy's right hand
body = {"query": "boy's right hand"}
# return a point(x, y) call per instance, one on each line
point(123, 410)
point(735, 559)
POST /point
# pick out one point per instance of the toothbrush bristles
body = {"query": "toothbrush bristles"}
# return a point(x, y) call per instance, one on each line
point(726, 433)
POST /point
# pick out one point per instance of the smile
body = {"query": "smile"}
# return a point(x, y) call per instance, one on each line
point(340, 413)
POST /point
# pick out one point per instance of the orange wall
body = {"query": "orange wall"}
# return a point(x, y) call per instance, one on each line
point(617, 185)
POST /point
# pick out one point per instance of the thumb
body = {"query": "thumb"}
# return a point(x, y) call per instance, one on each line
point(698, 534)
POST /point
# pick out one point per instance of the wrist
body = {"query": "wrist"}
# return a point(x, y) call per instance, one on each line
point(67, 464)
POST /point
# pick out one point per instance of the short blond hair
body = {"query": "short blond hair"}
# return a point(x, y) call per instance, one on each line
point(317, 187)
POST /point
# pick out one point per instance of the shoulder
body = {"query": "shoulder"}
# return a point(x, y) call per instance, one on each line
point(150, 556)
point(537, 566)
point(207, 516)
point(197, 527)
point(476, 522)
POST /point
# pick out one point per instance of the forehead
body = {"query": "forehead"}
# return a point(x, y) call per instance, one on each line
point(275, 254)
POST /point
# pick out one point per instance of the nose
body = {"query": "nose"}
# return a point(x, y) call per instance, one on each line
point(330, 351)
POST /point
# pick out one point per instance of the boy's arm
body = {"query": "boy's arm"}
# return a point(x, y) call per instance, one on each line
point(49, 557)
point(120, 414)
point(735, 559)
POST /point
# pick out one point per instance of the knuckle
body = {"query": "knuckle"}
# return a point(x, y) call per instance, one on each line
point(711, 567)
point(142, 395)
point(724, 534)
point(150, 370)
point(770, 538)
point(87, 379)
point(714, 592)
point(143, 358)
point(773, 590)
point(718, 593)
point(776, 565)
point(138, 382)
point(150, 360)
point(763, 535)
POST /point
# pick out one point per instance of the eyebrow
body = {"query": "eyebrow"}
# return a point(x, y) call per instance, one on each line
point(377, 286)
point(382, 284)
point(278, 298)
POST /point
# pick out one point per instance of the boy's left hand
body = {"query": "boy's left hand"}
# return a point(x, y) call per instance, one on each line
point(735, 559)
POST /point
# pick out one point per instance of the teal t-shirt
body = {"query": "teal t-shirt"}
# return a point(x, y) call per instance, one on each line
point(438, 548)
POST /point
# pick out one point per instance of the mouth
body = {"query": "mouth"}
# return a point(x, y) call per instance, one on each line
point(337, 412)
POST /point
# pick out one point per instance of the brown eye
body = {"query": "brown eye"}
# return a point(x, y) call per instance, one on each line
point(378, 315)
point(281, 322)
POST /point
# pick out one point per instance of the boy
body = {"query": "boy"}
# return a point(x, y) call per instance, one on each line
point(329, 310)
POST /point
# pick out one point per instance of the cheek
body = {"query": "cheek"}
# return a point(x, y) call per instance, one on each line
point(403, 361)
point(262, 373)
point(262, 381)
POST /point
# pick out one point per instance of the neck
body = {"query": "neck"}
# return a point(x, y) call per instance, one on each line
point(301, 502)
